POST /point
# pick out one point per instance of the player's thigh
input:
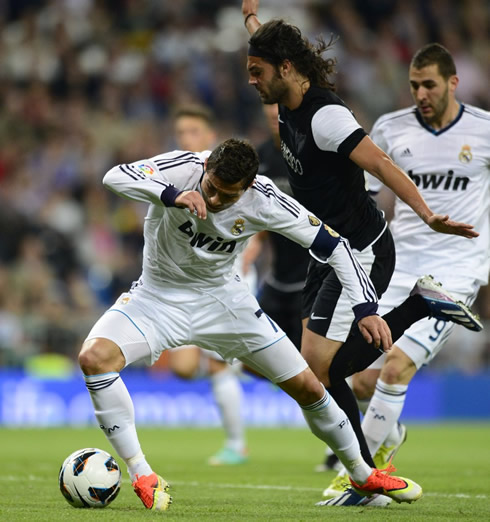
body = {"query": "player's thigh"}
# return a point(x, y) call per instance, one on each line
point(424, 339)
point(185, 360)
point(123, 332)
point(277, 362)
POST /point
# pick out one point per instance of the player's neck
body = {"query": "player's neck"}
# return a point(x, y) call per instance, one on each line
point(449, 115)
point(298, 87)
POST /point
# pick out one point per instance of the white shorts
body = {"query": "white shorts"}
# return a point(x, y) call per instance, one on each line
point(425, 338)
point(207, 353)
point(144, 322)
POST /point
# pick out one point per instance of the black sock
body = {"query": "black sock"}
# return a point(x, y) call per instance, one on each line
point(344, 397)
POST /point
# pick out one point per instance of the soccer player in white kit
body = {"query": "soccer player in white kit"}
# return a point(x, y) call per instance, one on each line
point(194, 131)
point(444, 146)
point(202, 210)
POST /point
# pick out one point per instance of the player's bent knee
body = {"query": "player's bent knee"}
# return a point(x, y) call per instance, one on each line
point(398, 368)
point(304, 388)
point(100, 356)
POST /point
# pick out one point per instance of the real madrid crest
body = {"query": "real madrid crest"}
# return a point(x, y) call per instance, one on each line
point(238, 227)
point(330, 231)
point(314, 221)
point(465, 156)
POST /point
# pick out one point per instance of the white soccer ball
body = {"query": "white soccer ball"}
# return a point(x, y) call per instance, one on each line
point(90, 477)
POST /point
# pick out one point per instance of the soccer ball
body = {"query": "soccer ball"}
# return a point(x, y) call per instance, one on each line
point(90, 477)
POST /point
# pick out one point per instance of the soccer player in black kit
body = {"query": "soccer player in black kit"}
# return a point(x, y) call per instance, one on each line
point(326, 151)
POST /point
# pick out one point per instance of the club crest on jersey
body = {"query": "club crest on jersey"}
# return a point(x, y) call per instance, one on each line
point(465, 156)
point(147, 170)
point(330, 231)
point(238, 227)
point(314, 221)
point(123, 300)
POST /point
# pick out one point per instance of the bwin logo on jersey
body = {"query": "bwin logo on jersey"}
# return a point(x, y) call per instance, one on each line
point(465, 156)
point(200, 240)
point(238, 227)
point(440, 181)
point(293, 162)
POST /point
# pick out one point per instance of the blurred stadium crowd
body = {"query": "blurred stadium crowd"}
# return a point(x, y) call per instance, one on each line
point(87, 84)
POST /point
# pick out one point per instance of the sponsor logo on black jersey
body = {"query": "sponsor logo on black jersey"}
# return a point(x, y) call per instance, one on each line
point(201, 240)
point(440, 181)
point(294, 163)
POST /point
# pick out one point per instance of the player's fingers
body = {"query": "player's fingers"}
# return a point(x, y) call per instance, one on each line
point(365, 333)
point(386, 340)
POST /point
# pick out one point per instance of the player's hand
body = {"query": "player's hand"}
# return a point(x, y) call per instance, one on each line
point(192, 200)
point(443, 224)
point(375, 330)
point(250, 6)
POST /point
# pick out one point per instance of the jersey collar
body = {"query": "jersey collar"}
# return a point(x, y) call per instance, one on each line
point(444, 129)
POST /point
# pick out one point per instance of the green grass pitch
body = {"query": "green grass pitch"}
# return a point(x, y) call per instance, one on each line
point(450, 461)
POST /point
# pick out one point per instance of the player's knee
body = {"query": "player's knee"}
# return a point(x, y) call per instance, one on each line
point(392, 372)
point(305, 388)
point(100, 356)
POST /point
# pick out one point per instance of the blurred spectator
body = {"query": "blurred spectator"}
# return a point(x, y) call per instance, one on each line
point(87, 84)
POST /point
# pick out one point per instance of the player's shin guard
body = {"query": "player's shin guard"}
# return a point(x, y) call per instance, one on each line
point(345, 399)
point(114, 412)
point(383, 412)
point(330, 424)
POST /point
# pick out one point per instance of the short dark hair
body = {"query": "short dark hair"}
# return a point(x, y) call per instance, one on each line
point(233, 161)
point(195, 111)
point(278, 41)
point(435, 53)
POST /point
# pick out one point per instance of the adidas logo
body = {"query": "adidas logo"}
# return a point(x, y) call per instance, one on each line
point(406, 153)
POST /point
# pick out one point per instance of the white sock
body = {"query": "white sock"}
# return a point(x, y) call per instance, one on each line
point(382, 415)
point(114, 412)
point(227, 392)
point(330, 424)
point(393, 437)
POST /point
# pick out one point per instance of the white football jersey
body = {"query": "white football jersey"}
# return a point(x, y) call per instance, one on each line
point(184, 250)
point(451, 168)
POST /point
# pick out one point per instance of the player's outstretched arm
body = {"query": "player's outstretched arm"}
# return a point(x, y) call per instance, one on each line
point(250, 10)
point(374, 160)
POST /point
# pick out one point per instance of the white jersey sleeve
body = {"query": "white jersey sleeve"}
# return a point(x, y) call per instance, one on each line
point(284, 215)
point(157, 180)
point(329, 137)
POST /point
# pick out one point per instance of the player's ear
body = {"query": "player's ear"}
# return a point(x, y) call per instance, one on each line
point(285, 68)
point(453, 82)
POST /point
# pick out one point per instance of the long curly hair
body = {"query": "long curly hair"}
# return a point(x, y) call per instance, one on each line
point(278, 41)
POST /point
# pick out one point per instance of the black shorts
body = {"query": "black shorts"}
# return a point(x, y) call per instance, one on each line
point(329, 311)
